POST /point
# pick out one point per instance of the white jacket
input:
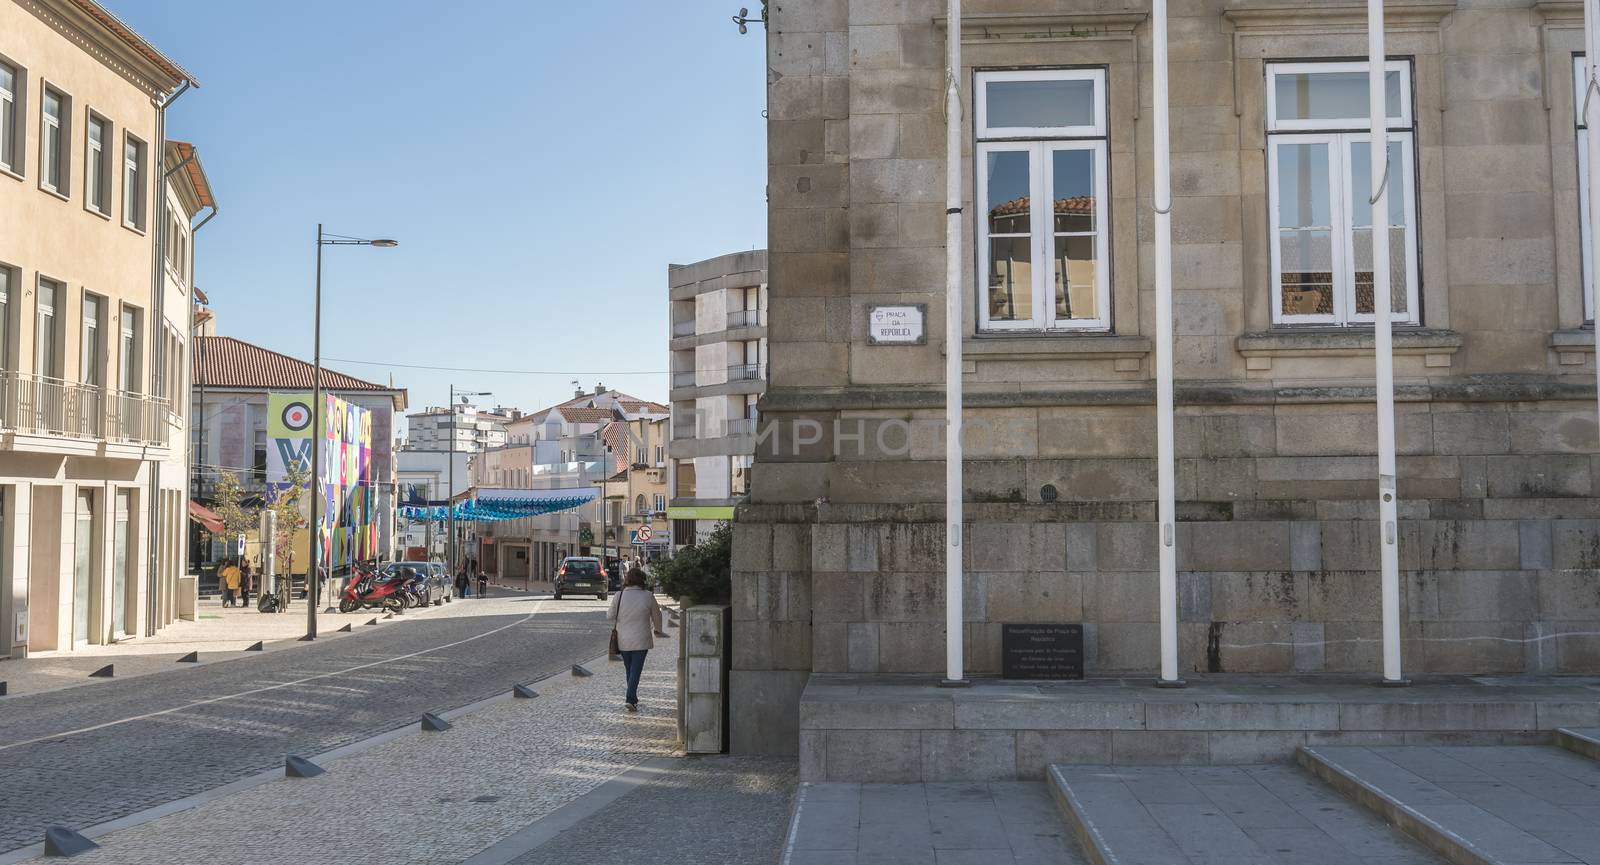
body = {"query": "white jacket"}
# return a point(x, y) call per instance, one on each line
point(637, 618)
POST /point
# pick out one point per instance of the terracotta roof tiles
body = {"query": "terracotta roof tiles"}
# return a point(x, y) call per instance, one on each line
point(222, 361)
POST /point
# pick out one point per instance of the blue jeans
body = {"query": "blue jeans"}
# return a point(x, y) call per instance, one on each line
point(633, 663)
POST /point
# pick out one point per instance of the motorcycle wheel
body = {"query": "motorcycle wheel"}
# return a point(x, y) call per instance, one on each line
point(394, 604)
point(348, 606)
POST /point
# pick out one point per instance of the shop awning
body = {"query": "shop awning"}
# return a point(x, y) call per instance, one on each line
point(205, 517)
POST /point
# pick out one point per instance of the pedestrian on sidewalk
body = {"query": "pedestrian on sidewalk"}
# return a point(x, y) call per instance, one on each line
point(636, 618)
point(462, 587)
point(247, 583)
point(229, 578)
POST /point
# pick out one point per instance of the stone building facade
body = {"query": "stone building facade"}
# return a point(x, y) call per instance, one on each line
point(839, 556)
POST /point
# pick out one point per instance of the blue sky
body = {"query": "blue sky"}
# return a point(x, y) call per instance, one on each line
point(540, 163)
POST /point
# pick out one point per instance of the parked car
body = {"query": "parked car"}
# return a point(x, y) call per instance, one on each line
point(580, 575)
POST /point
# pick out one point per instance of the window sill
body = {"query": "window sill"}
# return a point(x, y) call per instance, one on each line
point(1126, 351)
point(1434, 346)
point(54, 193)
point(100, 213)
point(133, 228)
point(7, 172)
point(1573, 345)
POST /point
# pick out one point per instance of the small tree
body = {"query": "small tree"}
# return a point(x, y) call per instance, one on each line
point(237, 518)
point(290, 515)
point(703, 573)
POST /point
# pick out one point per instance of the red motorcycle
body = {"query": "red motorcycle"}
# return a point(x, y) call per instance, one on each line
point(375, 589)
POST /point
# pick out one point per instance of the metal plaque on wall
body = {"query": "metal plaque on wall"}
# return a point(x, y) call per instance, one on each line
point(1041, 651)
point(897, 324)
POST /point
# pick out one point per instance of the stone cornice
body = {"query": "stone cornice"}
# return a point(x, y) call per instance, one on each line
point(1284, 16)
point(99, 43)
point(1032, 26)
point(1481, 388)
point(1563, 11)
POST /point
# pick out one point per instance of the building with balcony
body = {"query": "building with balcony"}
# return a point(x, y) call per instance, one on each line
point(719, 371)
point(563, 446)
point(473, 430)
point(232, 380)
point(96, 270)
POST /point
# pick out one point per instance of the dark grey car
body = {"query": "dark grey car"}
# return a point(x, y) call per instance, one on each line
point(580, 575)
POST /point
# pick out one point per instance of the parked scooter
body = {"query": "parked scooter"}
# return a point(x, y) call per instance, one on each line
point(387, 592)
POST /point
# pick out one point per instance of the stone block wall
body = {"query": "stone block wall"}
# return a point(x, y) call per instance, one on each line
point(839, 565)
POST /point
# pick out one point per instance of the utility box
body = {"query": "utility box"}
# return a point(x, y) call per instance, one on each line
point(188, 597)
point(703, 658)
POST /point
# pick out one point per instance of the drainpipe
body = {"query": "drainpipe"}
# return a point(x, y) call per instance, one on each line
point(1166, 484)
point(1591, 120)
point(955, 660)
point(1382, 328)
point(158, 291)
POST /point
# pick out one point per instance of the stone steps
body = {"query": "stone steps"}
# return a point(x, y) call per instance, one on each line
point(1273, 814)
point(1580, 740)
point(1490, 805)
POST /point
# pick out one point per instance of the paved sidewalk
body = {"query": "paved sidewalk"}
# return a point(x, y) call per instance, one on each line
point(219, 633)
point(1009, 823)
point(429, 797)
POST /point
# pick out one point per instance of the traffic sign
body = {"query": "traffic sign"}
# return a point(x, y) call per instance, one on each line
point(643, 535)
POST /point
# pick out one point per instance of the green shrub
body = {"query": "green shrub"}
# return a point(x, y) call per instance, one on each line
point(703, 573)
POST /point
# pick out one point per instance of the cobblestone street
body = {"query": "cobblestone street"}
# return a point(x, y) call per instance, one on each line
point(86, 755)
point(441, 797)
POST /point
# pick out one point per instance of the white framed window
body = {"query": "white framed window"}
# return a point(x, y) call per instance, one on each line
point(10, 133)
point(129, 358)
point(659, 506)
point(1319, 179)
point(97, 165)
point(93, 315)
point(5, 317)
point(53, 141)
point(133, 196)
point(1043, 242)
point(1580, 93)
point(45, 337)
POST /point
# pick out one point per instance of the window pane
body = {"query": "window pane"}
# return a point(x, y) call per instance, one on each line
point(1303, 197)
point(52, 106)
point(1076, 294)
point(1039, 103)
point(1331, 95)
point(1010, 278)
point(1361, 184)
point(1306, 258)
point(1072, 176)
point(1008, 187)
point(1397, 270)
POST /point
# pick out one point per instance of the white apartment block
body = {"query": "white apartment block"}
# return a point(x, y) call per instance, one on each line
point(719, 371)
point(474, 430)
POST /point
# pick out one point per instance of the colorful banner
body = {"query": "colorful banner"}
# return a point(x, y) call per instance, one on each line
point(347, 530)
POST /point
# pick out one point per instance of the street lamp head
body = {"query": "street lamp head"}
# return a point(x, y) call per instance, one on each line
point(385, 243)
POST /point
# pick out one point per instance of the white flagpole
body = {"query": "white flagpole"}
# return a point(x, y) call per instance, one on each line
point(1165, 481)
point(1590, 105)
point(955, 662)
point(1383, 324)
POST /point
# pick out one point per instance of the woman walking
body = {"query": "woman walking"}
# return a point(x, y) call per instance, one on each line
point(636, 618)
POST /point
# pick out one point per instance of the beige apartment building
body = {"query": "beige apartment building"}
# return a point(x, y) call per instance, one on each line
point(96, 270)
point(840, 557)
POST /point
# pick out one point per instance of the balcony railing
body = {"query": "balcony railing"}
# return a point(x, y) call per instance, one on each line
point(743, 426)
point(683, 378)
point(683, 328)
point(40, 405)
point(745, 372)
point(744, 318)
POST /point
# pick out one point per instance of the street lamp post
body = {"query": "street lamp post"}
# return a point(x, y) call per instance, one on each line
point(314, 578)
point(450, 494)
